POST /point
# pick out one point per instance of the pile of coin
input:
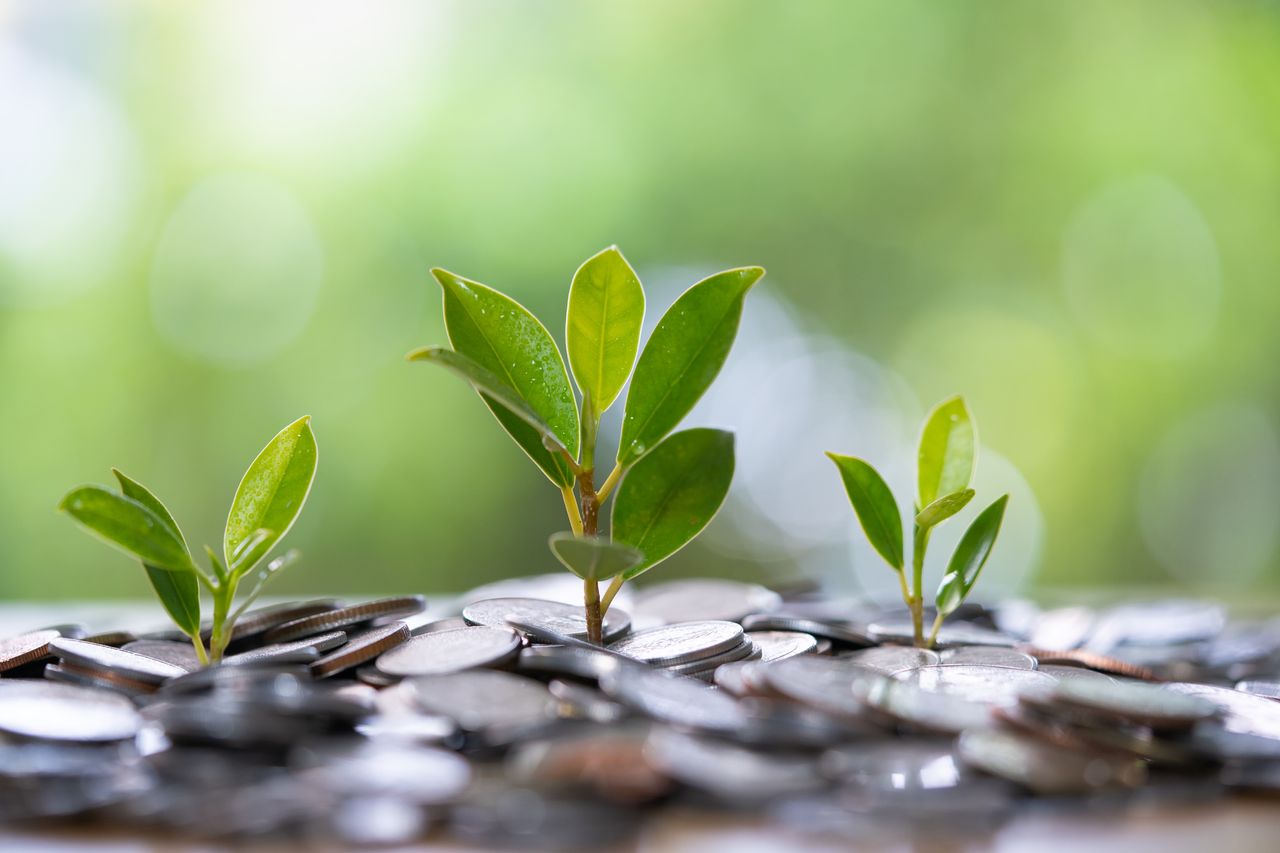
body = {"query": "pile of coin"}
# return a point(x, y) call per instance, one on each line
point(489, 718)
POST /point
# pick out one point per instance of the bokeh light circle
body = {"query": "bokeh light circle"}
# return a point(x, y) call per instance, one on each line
point(236, 271)
point(1141, 270)
point(1209, 496)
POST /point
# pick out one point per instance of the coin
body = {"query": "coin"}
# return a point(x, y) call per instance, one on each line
point(730, 772)
point(983, 685)
point(951, 634)
point(62, 712)
point(1068, 673)
point(890, 660)
point(360, 648)
point(780, 645)
point(745, 650)
point(667, 645)
point(345, 617)
point(1243, 713)
point(258, 621)
point(1145, 704)
point(1043, 768)
point(838, 630)
point(988, 656)
point(826, 684)
point(912, 763)
point(299, 651)
point(1269, 689)
point(116, 661)
point(452, 650)
point(674, 699)
point(578, 702)
point(570, 661)
point(1102, 663)
point(26, 648)
point(555, 616)
point(178, 654)
point(907, 704)
point(702, 599)
point(485, 700)
point(69, 673)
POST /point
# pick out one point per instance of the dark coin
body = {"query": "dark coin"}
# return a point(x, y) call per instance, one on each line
point(299, 651)
point(1043, 768)
point(780, 645)
point(579, 702)
point(675, 699)
point(115, 661)
point(583, 663)
point(825, 684)
point(62, 712)
point(732, 773)
point(26, 648)
point(68, 673)
point(555, 616)
point(485, 701)
point(258, 621)
point(360, 648)
point(454, 650)
point(702, 599)
point(668, 645)
point(111, 638)
point(345, 617)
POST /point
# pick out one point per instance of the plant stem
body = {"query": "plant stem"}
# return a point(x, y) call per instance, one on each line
point(933, 635)
point(609, 483)
point(920, 542)
point(595, 620)
point(571, 509)
point(614, 586)
point(221, 635)
point(906, 592)
point(199, 646)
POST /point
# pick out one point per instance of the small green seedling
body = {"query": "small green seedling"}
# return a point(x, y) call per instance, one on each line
point(674, 482)
point(945, 462)
point(266, 504)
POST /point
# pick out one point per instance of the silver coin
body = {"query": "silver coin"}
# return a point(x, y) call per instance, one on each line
point(420, 774)
point(674, 699)
point(745, 650)
point(730, 772)
point(557, 586)
point(906, 704)
point(67, 673)
point(408, 727)
point(837, 630)
point(731, 677)
point(572, 661)
point(453, 650)
point(891, 660)
point(1069, 673)
point(258, 621)
point(578, 702)
point(982, 685)
point(425, 623)
point(898, 764)
point(1043, 768)
point(951, 634)
point(780, 645)
point(115, 661)
point(1269, 689)
point(555, 616)
point(26, 648)
point(1157, 623)
point(1063, 628)
point(988, 656)
point(63, 712)
point(666, 645)
point(825, 684)
point(482, 699)
point(702, 599)
point(360, 648)
point(178, 654)
point(1144, 704)
point(382, 609)
point(298, 651)
point(1242, 713)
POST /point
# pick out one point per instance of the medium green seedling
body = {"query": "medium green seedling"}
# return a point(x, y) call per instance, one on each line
point(669, 484)
point(265, 506)
point(948, 450)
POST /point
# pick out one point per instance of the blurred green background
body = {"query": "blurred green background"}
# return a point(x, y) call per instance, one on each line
point(217, 217)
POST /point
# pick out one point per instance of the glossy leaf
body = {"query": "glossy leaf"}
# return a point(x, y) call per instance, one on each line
point(129, 526)
point(500, 335)
point(179, 592)
point(592, 558)
point(943, 508)
point(602, 329)
point(970, 556)
point(946, 456)
point(682, 358)
point(271, 494)
point(672, 493)
point(488, 383)
point(874, 505)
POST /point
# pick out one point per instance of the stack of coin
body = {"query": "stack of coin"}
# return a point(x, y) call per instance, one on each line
point(689, 648)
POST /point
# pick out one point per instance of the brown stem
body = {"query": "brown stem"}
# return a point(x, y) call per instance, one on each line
point(590, 524)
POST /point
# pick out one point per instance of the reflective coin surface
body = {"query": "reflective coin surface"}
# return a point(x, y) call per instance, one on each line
point(61, 712)
point(555, 616)
point(680, 643)
point(453, 650)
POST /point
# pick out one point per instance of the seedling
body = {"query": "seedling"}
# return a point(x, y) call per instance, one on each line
point(669, 484)
point(266, 504)
point(945, 463)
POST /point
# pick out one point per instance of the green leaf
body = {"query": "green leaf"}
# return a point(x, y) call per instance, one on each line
point(488, 383)
point(943, 508)
point(501, 336)
point(128, 525)
point(970, 556)
point(672, 493)
point(602, 329)
point(179, 592)
point(947, 442)
point(874, 505)
point(271, 494)
point(592, 558)
point(682, 358)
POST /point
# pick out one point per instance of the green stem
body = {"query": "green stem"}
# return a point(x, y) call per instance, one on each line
point(199, 647)
point(614, 586)
point(609, 483)
point(933, 635)
point(571, 509)
point(221, 635)
point(920, 542)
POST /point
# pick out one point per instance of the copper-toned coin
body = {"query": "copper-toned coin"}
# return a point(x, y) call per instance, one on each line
point(114, 661)
point(346, 617)
point(361, 648)
point(26, 648)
